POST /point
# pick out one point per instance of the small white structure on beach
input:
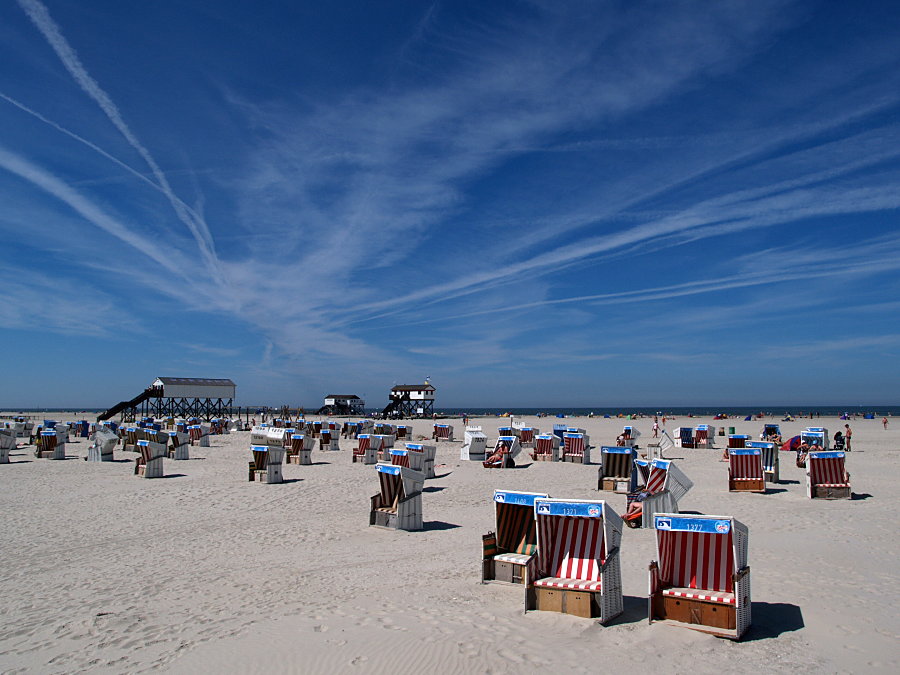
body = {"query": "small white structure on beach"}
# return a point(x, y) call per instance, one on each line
point(474, 445)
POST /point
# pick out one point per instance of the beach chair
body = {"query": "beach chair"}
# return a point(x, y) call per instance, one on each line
point(664, 486)
point(442, 432)
point(617, 472)
point(179, 445)
point(474, 445)
point(300, 449)
point(259, 434)
point(386, 442)
point(658, 450)
point(628, 436)
point(546, 448)
point(559, 430)
point(367, 449)
point(384, 429)
point(816, 437)
point(53, 444)
point(684, 437)
point(199, 435)
point(770, 461)
point(509, 431)
point(770, 432)
point(504, 455)
point(508, 553)
point(738, 440)
point(7, 443)
point(575, 448)
point(428, 453)
point(701, 579)
point(526, 436)
point(150, 462)
point(578, 570)
point(704, 436)
point(745, 470)
point(103, 445)
point(826, 477)
point(398, 505)
point(266, 466)
point(403, 432)
point(329, 440)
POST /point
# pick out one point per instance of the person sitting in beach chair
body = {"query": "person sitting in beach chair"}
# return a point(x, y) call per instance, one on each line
point(665, 485)
point(504, 454)
point(578, 570)
point(826, 477)
point(509, 552)
point(701, 578)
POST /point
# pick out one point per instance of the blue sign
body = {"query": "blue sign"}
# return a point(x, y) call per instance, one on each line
point(662, 463)
point(399, 453)
point(688, 524)
point(832, 454)
point(414, 446)
point(259, 448)
point(552, 507)
point(508, 439)
point(523, 498)
point(616, 450)
point(744, 451)
point(388, 468)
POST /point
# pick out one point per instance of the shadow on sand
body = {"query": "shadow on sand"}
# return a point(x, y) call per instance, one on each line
point(771, 619)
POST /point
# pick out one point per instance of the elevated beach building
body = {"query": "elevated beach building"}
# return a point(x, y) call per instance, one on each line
point(343, 404)
point(178, 397)
point(411, 400)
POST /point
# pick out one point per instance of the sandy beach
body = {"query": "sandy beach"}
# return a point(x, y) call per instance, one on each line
point(205, 571)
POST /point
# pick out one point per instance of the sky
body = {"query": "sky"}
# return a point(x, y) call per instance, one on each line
point(533, 204)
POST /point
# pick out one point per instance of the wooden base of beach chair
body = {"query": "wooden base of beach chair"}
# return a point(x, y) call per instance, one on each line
point(823, 492)
point(56, 453)
point(152, 469)
point(542, 457)
point(716, 618)
point(747, 485)
point(576, 459)
point(585, 604)
point(96, 455)
point(301, 457)
point(508, 572)
point(619, 485)
point(407, 515)
point(770, 476)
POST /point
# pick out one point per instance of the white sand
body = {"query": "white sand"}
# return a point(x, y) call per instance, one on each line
point(205, 571)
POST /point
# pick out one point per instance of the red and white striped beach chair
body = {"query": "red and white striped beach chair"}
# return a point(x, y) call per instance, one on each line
point(701, 578)
point(508, 553)
point(367, 447)
point(328, 440)
point(385, 443)
point(266, 466)
point(526, 436)
point(401, 458)
point(665, 484)
point(826, 477)
point(745, 470)
point(422, 456)
point(150, 463)
point(300, 449)
point(179, 445)
point(546, 448)
point(578, 569)
point(576, 449)
point(53, 444)
point(770, 461)
point(442, 432)
point(398, 505)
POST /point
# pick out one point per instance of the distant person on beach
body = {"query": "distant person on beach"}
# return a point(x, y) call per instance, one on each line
point(884, 422)
point(664, 420)
point(847, 435)
point(655, 427)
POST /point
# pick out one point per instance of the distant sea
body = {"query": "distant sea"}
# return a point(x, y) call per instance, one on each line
point(678, 411)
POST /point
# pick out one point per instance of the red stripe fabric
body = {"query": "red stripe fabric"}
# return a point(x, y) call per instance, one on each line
point(746, 466)
point(571, 548)
point(400, 460)
point(656, 480)
point(696, 560)
point(827, 471)
point(574, 445)
point(527, 435)
point(362, 447)
point(543, 446)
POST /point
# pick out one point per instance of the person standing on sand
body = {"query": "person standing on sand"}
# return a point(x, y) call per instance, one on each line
point(655, 427)
point(884, 422)
point(847, 435)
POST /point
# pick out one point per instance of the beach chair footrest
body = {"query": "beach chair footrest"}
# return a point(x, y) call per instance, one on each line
point(585, 604)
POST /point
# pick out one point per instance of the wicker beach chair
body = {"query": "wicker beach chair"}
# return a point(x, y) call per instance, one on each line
point(103, 445)
point(474, 445)
point(704, 436)
point(385, 443)
point(367, 448)
point(745, 470)
point(442, 432)
point(665, 485)
point(701, 578)
point(509, 551)
point(398, 505)
point(684, 437)
point(179, 445)
point(426, 461)
point(576, 448)
point(300, 449)
point(526, 436)
point(329, 440)
point(53, 444)
point(770, 459)
point(578, 570)
point(150, 462)
point(617, 472)
point(7, 443)
point(504, 455)
point(546, 448)
point(266, 466)
point(826, 476)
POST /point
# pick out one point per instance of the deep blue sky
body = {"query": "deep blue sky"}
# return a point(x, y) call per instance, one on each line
point(534, 203)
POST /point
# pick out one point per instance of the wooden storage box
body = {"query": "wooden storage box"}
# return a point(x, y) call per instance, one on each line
point(695, 612)
point(577, 603)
